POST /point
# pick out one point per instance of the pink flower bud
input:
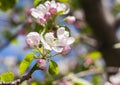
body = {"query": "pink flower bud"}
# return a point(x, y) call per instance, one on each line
point(30, 21)
point(42, 20)
point(33, 39)
point(41, 64)
point(53, 10)
point(88, 61)
point(70, 19)
point(66, 49)
point(47, 15)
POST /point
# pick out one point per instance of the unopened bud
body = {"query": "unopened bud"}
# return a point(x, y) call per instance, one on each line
point(41, 64)
point(47, 15)
point(53, 10)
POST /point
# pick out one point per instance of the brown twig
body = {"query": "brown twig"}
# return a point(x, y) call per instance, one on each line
point(23, 78)
point(89, 72)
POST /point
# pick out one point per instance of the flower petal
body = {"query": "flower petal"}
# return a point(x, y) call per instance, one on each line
point(60, 32)
point(49, 37)
point(58, 43)
point(70, 40)
point(46, 46)
point(57, 49)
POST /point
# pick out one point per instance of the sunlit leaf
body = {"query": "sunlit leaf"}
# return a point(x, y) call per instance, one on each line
point(26, 62)
point(63, 1)
point(7, 4)
point(7, 77)
point(53, 68)
point(37, 2)
point(15, 41)
point(95, 55)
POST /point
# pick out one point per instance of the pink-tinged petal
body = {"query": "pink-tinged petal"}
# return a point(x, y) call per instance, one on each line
point(70, 40)
point(33, 39)
point(57, 49)
point(66, 49)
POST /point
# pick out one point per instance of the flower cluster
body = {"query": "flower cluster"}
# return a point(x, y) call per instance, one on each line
point(59, 44)
point(44, 11)
point(52, 37)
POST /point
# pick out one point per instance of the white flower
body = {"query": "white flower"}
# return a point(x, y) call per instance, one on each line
point(115, 78)
point(33, 39)
point(58, 7)
point(70, 19)
point(64, 41)
point(43, 11)
point(60, 44)
point(48, 42)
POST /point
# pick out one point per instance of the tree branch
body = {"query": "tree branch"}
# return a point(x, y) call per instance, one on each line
point(89, 72)
point(23, 78)
point(104, 32)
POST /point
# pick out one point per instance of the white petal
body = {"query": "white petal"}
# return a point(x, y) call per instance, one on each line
point(58, 43)
point(57, 49)
point(46, 46)
point(53, 4)
point(66, 34)
point(70, 40)
point(49, 38)
point(35, 14)
point(60, 32)
point(42, 8)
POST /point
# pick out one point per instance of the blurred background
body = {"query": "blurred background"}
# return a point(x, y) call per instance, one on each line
point(95, 55)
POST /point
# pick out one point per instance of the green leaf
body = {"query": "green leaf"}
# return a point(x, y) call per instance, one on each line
point(26, 62)
point(7, 4)
point(63, 1)
point(53, 68)
point(36, 2)
point(95, 55)
point(7, 77)
point(15, 41)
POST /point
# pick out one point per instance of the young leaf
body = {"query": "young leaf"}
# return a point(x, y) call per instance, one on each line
point(7, 77)
point(7, 4)
point(26, 62)
point(53, 68)
point(63, 1)
point(37, 2)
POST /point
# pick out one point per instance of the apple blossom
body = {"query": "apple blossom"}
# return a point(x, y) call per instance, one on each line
point(49, 41)
point(70, 19)
point(33, 39)
point(41, 64)
point(57, 7)
point(43, 11)
point(64, 41)
point(60, 44)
